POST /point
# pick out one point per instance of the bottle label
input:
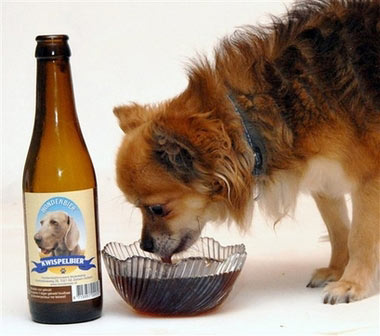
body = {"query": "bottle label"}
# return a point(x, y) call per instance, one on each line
point(62, 248)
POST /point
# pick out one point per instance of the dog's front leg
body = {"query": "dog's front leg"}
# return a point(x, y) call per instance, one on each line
point(335, 215)
point(363, 245)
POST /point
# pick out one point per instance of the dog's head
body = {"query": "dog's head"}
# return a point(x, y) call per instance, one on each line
point(57, 228)
point(184, 163)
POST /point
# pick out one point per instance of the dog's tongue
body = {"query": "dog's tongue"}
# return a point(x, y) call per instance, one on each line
point(167, 260)
point(44, 251)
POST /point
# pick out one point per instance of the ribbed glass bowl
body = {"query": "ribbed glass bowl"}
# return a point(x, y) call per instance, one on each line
point(198, 279)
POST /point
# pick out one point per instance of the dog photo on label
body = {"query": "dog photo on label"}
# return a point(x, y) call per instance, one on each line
point(289, 108)
point(58, 235)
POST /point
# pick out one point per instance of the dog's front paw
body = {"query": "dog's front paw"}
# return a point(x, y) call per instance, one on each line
point(322, 276)
point(343, 292)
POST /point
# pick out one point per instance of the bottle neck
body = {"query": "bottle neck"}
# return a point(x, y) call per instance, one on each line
point(55, 105)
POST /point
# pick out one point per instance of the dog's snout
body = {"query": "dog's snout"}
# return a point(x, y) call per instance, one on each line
point(37, 238)
point(147, 244)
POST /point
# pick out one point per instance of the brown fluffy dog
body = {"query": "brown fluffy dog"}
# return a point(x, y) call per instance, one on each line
point(292, 108)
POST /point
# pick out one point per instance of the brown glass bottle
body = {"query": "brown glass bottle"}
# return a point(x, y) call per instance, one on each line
point(60, 199)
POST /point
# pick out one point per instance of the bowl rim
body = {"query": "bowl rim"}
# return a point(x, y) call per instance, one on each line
point(241, 251)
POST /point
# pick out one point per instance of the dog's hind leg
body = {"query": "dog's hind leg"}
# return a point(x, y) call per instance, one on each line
point(363, 244)
point(335, 215)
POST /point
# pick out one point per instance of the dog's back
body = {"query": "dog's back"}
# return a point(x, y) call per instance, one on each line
point(318, 67)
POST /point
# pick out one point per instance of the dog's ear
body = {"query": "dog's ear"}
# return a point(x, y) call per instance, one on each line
point(175, 153)
point(72, 234)
point(131, 116)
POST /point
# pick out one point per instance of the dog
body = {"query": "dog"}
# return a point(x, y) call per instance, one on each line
point(290, 108)
point(58, 235)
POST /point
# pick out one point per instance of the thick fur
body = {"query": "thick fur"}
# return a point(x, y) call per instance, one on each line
point(310, 85)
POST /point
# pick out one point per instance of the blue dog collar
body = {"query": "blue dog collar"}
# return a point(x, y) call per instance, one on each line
point(253, 138)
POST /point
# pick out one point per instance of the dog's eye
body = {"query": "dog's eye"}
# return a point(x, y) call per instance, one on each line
point(53, 222)
point(157, 210)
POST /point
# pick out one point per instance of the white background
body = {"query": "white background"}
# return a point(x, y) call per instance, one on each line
point(137, 51)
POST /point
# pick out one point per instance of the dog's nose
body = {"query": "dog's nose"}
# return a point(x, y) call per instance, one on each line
point(147, 244)
point(38, 238)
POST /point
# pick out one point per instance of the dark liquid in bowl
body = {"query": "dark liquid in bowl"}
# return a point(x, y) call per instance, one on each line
point(184, 296)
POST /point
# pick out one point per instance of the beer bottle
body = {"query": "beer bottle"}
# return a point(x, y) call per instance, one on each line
point(60, 199)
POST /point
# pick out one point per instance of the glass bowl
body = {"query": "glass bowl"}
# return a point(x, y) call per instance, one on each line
point(197, 280)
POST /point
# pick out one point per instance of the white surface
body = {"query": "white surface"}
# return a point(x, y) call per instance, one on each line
point(137, 51)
